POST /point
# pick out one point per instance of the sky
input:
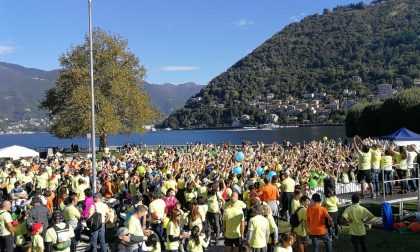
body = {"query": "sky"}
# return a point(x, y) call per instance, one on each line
point(177, 41)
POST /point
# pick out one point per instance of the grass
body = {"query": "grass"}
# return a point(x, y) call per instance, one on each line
point(380, 240)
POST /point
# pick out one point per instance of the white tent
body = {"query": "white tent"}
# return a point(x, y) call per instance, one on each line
point(16, 152)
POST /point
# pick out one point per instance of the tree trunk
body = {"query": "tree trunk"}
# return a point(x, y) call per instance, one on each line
point(103, 142)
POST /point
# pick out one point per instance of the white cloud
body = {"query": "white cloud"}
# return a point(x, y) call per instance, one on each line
point(179, 68)
point(298, 17)
point(244, 22)
point(6, 49)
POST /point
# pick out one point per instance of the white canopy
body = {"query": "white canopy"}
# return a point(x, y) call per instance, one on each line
point(16, 152)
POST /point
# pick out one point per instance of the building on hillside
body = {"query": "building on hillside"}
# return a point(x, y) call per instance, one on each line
point(236, 122)
point(245, 117)
point(308, 96)
point(385, 91)
point(357, 79)
point(417, 81)
point(334, 104)
point(270, 96)
point(398, 83)
point(273, 118)
point(348, 103)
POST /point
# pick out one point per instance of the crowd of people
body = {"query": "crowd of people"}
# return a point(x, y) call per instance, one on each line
point(191, 197)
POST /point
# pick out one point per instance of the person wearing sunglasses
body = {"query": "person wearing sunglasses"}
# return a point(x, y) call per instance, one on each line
point(123, 241)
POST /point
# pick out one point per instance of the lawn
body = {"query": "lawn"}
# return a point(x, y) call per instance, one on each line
point(380, 240)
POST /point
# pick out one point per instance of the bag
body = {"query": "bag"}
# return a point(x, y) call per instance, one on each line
point(63, 238)
point(294, 218)
point(387, 217)
point(94, 223)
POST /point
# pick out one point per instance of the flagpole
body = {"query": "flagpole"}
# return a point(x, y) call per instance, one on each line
point(92, 104)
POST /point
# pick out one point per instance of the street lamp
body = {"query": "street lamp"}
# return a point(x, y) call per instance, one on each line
point(92, 101)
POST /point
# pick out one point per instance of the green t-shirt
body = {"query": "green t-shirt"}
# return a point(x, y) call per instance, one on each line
point(331, 204)
point(233, 218)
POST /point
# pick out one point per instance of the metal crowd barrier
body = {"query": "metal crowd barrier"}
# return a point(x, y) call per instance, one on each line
point(415, 166)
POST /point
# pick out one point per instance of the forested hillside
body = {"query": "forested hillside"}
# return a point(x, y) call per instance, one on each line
point(321, 53)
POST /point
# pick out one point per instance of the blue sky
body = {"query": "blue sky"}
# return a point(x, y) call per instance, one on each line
point(176, 40)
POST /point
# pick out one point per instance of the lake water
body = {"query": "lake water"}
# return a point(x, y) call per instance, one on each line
point(181, 137)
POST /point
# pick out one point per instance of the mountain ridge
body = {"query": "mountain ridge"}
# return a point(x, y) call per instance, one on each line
point(22, 88)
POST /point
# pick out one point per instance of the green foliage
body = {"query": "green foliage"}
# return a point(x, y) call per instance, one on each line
point(353, 123)
point(120, 107)
point(321, 53)
point(370, 121)
point(401, 110)
point(376, 119)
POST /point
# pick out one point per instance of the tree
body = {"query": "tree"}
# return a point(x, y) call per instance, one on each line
point(353, 120)
point(120, 104)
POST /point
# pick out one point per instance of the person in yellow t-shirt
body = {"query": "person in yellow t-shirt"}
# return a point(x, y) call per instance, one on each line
point(37, 241)
point(301, 230)
point(258, 229)
point(274, 233)
point(331, 203)
point(356, 215)
point(233, 224)
point(173, 232)
point(364, 173)
point(197, 242)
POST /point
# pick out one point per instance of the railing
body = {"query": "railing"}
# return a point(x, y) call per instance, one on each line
point(414, 166)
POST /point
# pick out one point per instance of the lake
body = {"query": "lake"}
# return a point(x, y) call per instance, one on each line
point(182, 137)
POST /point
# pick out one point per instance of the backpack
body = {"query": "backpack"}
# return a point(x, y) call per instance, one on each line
point(294, 218)
point(94, 223)
point(63, 237)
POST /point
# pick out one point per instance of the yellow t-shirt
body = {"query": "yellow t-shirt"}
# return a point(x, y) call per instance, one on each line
point(51, 235)
point(101, 208)
point(401, 164)
point(157, 206)
point(5, 219)
point(42, 180)
point(288, 185)
point(375, 159)
point(272, 223)
point(259, 228)
point(194, 247)
point(37, 243)
point(356, 215)
point(81, 191)
point(294, 205)
point(71, 213)
point(20, 232)
point(233, 217)
point(364, 160)
point(331, 204)
point(238, 204)
point(386, 163)
point(170, 184)
point(213, 203)
point(190, 195)
point(175, 232)
point(301, 229)
point(134, 226)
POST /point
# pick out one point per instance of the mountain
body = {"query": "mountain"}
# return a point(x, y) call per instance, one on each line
point(21, 90)
point(354, 47)
point(169, 97)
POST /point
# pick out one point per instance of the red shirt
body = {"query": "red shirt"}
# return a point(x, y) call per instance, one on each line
point(316, 215)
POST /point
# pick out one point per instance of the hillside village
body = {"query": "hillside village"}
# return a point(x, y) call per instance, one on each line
point(313, 108)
